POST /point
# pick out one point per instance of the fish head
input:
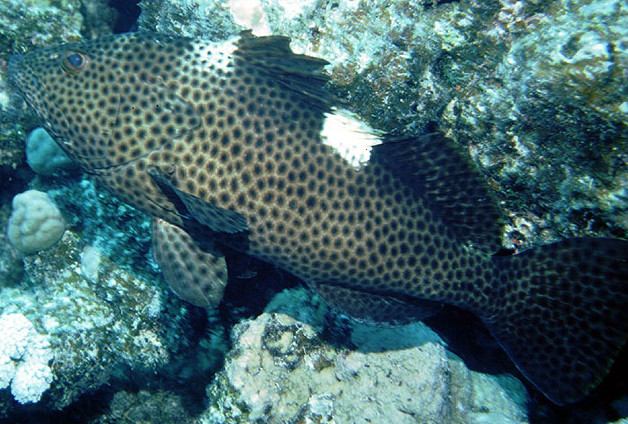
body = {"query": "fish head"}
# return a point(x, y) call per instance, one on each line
point(109, 101)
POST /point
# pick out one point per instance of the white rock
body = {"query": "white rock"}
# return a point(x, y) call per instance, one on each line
point(24, 358)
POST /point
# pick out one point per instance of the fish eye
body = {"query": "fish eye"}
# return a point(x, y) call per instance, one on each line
point(73, 62)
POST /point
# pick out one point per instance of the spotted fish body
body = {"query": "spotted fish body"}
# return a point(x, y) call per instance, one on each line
point(236, 144)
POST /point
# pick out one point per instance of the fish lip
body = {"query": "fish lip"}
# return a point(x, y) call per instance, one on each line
point(15, 67)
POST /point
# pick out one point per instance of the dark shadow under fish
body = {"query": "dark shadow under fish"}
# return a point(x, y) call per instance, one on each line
point(238, 144)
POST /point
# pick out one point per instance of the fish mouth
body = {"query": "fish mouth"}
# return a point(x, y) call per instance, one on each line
point(28, 88)
point(16, 69)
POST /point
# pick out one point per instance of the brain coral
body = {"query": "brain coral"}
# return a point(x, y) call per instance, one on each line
point(35, 223)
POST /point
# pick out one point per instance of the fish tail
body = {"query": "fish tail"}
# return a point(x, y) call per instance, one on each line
point(561, 313)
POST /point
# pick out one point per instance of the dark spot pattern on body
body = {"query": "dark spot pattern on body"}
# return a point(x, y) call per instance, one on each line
point(228, 136)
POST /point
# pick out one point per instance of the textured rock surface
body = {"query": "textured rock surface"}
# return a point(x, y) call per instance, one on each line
point(281, 369)
point(194, 18)
point(145, 407)
point(545, 118)
point(103, 322)
point(11, 269)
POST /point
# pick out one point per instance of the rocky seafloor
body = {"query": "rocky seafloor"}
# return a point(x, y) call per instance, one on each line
point(537, 92)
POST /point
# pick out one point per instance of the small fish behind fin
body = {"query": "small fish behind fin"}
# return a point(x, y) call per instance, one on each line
point(216, 218)
point(561, 313)
point(195, 272)
point(373, 308)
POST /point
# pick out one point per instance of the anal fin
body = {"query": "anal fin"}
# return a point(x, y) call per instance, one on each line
point(194, 270)
point(375, 308)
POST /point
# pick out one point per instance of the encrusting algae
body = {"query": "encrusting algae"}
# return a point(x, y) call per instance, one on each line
point(237, 144)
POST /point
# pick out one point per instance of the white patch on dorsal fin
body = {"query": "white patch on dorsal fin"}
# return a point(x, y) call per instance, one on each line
point(349, 136)
point(217, 54)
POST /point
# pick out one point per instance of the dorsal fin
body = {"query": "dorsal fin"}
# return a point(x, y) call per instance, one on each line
point(446, 177)
point(299, 73)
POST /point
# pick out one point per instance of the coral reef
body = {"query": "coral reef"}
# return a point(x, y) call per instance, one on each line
point(537, 92)
point(103, 320)
point(99, 319)
point(93, 326)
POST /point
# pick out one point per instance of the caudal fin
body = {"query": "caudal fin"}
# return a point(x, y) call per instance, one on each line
point(561, 313)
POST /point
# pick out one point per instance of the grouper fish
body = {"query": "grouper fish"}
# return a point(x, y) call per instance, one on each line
point(239, 145)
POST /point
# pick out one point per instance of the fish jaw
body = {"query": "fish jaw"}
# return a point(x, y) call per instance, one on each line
point(28, 86)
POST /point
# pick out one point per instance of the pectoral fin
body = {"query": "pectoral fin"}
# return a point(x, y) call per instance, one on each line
point(216, 218)
point(193, 269)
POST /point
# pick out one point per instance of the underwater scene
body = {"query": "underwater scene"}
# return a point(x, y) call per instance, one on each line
point(314, 211)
